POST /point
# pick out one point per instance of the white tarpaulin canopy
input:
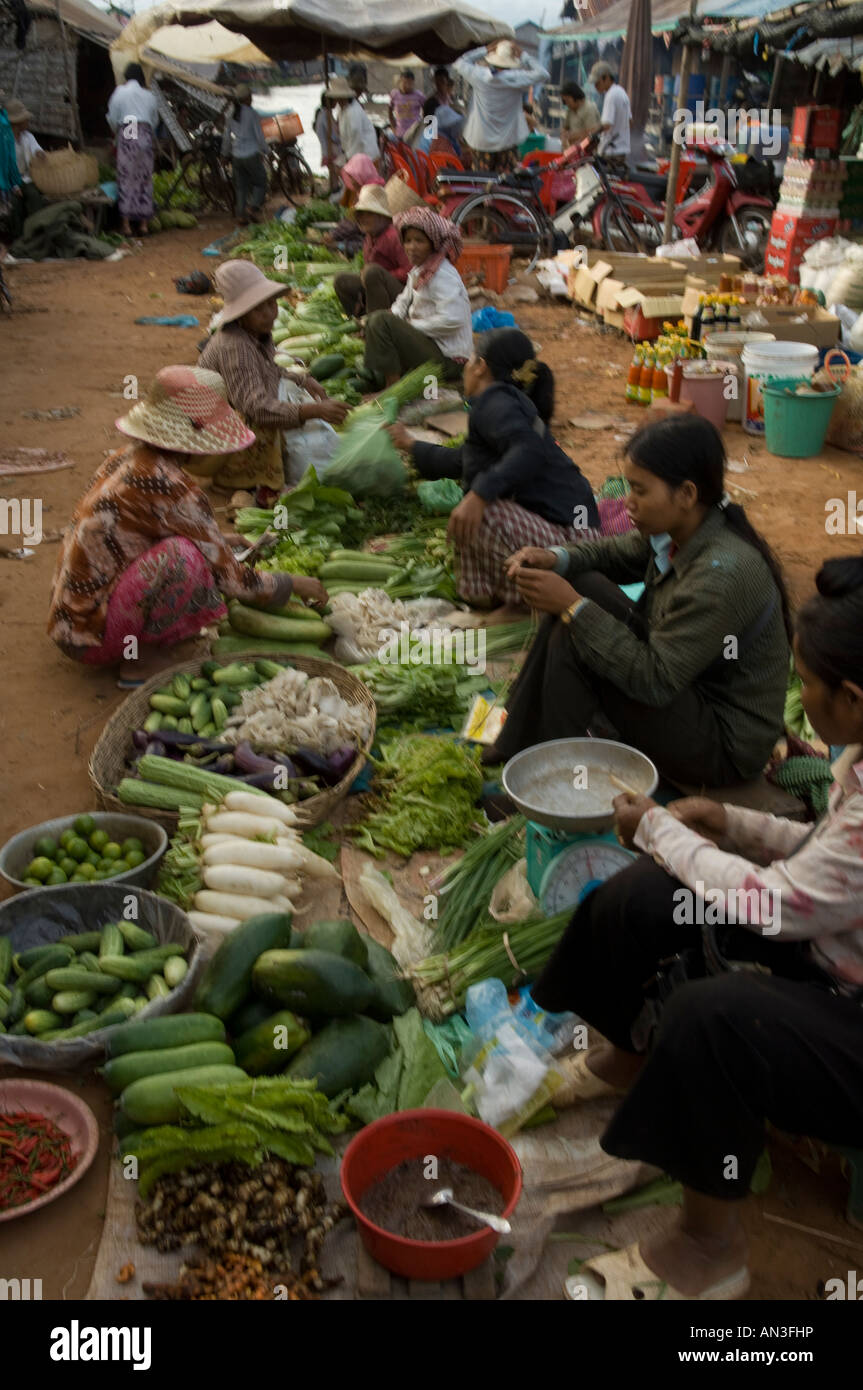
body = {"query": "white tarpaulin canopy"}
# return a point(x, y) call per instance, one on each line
point(205, 43)
point(437, 31)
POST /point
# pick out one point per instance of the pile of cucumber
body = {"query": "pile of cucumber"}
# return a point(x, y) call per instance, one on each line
point(85, 982)
point(150, 1059)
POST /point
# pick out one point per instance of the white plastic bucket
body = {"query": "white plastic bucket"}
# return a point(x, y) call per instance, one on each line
point(726, 347)
point(765, 362)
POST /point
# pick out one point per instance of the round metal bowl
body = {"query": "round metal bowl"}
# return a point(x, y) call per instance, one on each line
point(17, 852)
point(565, 784)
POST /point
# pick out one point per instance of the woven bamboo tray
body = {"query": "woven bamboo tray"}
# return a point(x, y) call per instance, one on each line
point(108, 761)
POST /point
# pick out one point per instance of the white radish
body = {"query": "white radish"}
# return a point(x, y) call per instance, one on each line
point(208, 841)
point(238, 878)
point(239, 823)
point(233, 904)
point(253, 853)
point(210, 921)
point(260, 806)
point(315, 865)
point(281, 904)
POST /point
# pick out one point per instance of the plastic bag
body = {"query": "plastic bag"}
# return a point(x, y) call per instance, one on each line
point(484, 319)
point(438, 496)
point(310, 446)
point(512, 899)
point(509, 1073)
point(366, 462)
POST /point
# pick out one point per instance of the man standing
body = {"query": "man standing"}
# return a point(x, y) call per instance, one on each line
point(581, 117)
point(356, 133)
point(243, 142)
point(499, 76)
point(615, 120)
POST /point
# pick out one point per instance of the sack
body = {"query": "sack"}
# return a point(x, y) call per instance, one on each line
point(845, 430)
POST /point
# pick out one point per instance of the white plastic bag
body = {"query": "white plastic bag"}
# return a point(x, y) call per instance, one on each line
point(312, 445)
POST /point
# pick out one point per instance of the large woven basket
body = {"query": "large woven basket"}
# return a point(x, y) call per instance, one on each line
point(63, 173)
point(401, 197)
point(108, 761)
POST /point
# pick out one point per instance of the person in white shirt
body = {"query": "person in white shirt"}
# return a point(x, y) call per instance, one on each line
point(326, 128)
point(244, 142)
point(133, 115)
point(29, 199)
point(356, 132)
point(430, 321)
point(614, 143)
point(499, 77)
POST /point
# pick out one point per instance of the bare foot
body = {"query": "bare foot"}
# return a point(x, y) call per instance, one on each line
point(614, 1066)
point(125, 227)
point(144, 229)
point(692, 1264)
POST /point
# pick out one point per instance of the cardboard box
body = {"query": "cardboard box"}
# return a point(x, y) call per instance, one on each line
point(818, 327)
point(607, 294)
point(709, 268)
point(614, 318)
point(816, 127)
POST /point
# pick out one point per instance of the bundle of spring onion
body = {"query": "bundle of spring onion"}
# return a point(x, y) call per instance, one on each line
point(466, 887)
point(442, 981)
point(239, 856)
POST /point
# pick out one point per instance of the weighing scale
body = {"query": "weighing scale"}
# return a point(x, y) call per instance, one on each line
point(571, 847)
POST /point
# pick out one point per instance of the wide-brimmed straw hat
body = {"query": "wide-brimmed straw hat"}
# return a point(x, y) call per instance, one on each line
point(186, 411)
point(400, 196)
point(504, 56)
point(340, 87)
point(17, 111)
point(243, 287)
point(372, 198)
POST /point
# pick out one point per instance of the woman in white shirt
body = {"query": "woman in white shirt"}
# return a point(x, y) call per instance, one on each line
point(357, 135)
point(133, 115)
point(431, 318)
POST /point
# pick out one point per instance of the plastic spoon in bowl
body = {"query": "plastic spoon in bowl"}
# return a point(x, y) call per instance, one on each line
point(443, 1197)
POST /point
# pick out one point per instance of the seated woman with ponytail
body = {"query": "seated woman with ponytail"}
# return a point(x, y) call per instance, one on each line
point(704, 1055)
point(521, 489)
point(694, 674)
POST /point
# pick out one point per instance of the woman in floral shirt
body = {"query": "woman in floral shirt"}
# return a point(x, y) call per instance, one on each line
point(144, 558)
point(748, 930)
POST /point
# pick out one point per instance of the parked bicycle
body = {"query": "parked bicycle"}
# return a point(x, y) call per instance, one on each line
point(205, 172)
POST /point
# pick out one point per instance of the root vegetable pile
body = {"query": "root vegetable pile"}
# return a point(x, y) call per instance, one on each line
point(234, 1279)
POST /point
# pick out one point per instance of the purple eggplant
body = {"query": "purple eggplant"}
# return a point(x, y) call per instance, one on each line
point(248, 761)
point(313, 763)
point(156, 747)
point(284, 761)
point(262, 780)
point(342, 761)
point(172, 738)
point(140, 739)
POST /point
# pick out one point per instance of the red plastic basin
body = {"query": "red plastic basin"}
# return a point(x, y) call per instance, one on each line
point(385, 1144)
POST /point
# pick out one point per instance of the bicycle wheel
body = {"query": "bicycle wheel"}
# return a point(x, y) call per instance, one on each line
point(754, 223)
point(504, 218)
point(293, 175)
point(628, 226)
point(216, 187)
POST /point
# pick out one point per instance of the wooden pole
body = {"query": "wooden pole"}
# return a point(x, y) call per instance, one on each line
point(724, 74)
point(329, 112)
point(70, 79)
point(674, 163)
point(777, 79)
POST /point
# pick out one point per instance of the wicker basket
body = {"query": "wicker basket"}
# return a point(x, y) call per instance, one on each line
point(107, 766)
point(63, 173)
point(401, 197)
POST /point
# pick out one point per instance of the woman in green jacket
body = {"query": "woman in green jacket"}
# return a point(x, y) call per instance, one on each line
point(695, 673)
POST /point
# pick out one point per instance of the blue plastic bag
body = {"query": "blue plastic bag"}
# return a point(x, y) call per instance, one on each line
point(484, 319)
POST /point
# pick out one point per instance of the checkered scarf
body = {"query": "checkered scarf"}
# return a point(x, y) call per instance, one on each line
point(444, 236)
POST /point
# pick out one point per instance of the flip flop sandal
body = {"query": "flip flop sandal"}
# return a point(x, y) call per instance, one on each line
point(623, 1277)
point(580, 1083)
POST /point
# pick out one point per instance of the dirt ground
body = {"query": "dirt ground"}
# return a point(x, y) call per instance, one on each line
point(72, 342)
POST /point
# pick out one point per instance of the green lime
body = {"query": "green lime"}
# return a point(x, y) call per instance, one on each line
point(84, 825)
point(32, 882)
point(99, 839)
point(100, 874)
point(134, 857)
point(40, 868)
point(132, 845)
point(56, 876)
point(87, 870)
point(112, 850)
point(77, 878)
point(67, 837)
point(91, 857)
point(46, 847)
point(68, 865)
point(78, 849)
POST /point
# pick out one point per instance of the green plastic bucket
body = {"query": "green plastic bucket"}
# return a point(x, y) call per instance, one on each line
point(795, 425)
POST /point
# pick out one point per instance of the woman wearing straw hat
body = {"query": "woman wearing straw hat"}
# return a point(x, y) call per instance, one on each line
point(291, 415)
point(385, 265)
point(431, 319)
point(143, 560)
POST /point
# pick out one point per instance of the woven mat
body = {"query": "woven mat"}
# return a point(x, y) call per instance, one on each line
point(19, 461)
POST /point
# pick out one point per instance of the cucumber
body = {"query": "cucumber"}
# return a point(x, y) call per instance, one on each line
point(174, 1031)
point(83, 1015)
point(175, 970)
point(315, 984)
point(16, 1007)
point(84, 941)
point(343, 1056)
point(71, 1001)
point(153, 1099)
point(39, 994)
point(139, 967)
point(135, 937)
point(153, 722)
point(157, 987)
point(112, 943)
point(118, 1014)
point(256, 623)
point(52, 959)
point(326, 366)
point(86, 960)
point(42, 1021)
point(132, 1066)
point(392, 996)
point(269, 1046)
point(169, 704)
point(5, 958)
point(23, 961)
point(227, 978)
point(340, 938)
point(72, 978)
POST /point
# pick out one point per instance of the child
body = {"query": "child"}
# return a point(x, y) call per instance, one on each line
point(406, 104)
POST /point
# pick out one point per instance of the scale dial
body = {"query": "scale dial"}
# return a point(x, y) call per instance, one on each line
point(576, 871)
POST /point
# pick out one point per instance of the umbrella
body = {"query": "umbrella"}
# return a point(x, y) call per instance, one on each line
point(206, 43)
point(636, 64)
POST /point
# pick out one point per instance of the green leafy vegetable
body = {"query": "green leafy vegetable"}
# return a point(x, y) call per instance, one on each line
point(437, 694)
point(405, 1077)
point(426, 793)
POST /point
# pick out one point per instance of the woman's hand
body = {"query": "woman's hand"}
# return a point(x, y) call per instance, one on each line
point(699, 813)
point(465, 519)
point(333, 412)
point(309, 590)
point(547, 593)
point(530, 557)
point(314, 388)
point(628, 810)
point(401, 437)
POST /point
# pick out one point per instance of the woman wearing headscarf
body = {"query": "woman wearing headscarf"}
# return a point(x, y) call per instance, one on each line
point(518, 482)
point(431, 319)
point(144, 558)
point(133, 115)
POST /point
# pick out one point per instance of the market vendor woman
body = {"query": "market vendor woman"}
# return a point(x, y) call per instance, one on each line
point(520, 487)
point(694, 674)
point(700, 1065)
point(144, 557)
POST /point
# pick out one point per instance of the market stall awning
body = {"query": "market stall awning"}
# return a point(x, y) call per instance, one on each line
point(667, 14)
point(82, 17)
point(437, 31)
point(784, 30)
point(205, 43)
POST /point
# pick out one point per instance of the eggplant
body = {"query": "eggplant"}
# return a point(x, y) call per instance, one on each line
point(248, 761)
point(225, 765)
point(262, 780)
point(140, 739)
point(314, 763)
point(284, 761)
point(172, 738)
point(342, 761)
point(156, 747)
